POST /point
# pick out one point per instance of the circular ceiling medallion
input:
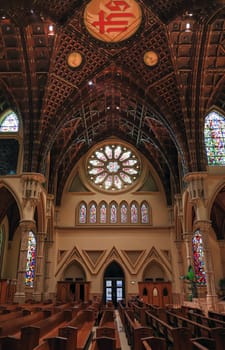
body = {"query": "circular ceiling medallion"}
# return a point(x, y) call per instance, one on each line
point(112, 21)
point(74, 59)
point(151, 58)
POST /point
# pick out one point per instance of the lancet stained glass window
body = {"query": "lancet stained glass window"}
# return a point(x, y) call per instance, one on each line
point(93, 213)
point(214, 134)
point(83, 214)
point(123, 213)
point(103, 216)
point(113, 167)
point(31, 260)
point(198, 256)
point(144, 213)
point(9, 123)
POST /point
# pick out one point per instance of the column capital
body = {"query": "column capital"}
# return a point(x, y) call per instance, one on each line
point(203, 225)
point(27, 225)
point(32, 183)
point(196, 186)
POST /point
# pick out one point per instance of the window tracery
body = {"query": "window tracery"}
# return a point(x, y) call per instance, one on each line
point(114, 213)
point(214, 134)
point(113, 167)
point(198, 256)
point(83, 213)
point(9, 122)
point(31, 260)
point(9, 142)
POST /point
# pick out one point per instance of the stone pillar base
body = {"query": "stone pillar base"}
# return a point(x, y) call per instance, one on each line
point(49, 296)
point(37, 296)
point(211, 301)
point(19, 298)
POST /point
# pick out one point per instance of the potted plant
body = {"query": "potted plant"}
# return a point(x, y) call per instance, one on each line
point(190, 279)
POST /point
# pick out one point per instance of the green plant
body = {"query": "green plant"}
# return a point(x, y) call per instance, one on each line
point(190, 279)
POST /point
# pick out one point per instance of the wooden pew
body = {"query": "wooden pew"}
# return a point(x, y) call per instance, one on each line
point(153, 343)
point(139, 312)
point(185, 309)
point(198, 330)
point(207, 321)
point(107, 329)
point(217, 315)
point(7, 317)
point(177, 337)
point(158, 311)
point(203, 344)
point(135, 331)
point(79, 330)
point(54, 343)
point(30, 336)
point(16, 324)
point(104, 343)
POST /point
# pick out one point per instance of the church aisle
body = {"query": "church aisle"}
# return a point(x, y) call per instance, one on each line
point(122, 335)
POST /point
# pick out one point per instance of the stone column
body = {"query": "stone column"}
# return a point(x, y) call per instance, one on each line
point(187, 236)
point(25, 226)
point(180, 263)
point(212, 298)
point(222, 254)
point(49, 284)
point(39, 271)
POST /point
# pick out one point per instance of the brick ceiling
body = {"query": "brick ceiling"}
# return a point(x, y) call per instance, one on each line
point(160, 110)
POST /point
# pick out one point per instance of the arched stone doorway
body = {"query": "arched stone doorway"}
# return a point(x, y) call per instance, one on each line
point(114, 284)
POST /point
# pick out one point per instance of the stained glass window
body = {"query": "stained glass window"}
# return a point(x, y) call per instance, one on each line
point(103, 216)
point(113, 167)
point(113, 213)
point(198, 256)
point(214, 134)
point(134, 213)
point(9, 123)
point(93, 213)
point(144, 213)
point(83, 214)
point(31, 260)
point(123, 213)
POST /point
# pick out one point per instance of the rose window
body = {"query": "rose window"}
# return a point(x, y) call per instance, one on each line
point(113, 167)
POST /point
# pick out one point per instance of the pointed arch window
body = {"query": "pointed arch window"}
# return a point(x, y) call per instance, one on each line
point(113, 213)
point(83, 213)
point(123, 213)
point(144, 213)
point(214, 134)
point(9, 142)
point(93, 213)
point(198, 256)
point(9, 122)
point(31, 260)
point(134, 213)
point(103, 213)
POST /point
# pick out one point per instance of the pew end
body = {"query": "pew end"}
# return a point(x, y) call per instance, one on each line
point(203, 344)
point(153, 343)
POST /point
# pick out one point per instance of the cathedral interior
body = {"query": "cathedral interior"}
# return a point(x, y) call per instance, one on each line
point(78, 81)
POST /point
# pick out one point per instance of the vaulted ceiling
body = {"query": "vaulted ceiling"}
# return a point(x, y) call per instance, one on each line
point(159, 109)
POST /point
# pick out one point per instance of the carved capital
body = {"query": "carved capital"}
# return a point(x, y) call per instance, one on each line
point(32, 187)
point(196, 186)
